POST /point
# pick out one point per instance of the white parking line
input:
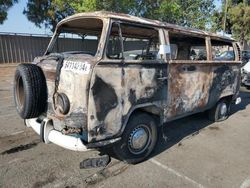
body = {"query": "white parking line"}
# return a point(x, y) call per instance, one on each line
point(246, 183)
point(176, 173)
point(18, 132)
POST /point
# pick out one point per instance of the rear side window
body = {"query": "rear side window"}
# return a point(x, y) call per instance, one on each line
point(131, 42)
point(186, 47)
point(222, 51)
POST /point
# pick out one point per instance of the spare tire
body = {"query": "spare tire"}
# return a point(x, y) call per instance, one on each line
point(30, 91)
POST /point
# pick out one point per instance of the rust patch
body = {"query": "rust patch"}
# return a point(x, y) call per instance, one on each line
point(71, 130)
point(224, 82)
point(188, 88)
point(50, 75)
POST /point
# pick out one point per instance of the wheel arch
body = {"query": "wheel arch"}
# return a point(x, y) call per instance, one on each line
point(150, 109)
point(228, 98)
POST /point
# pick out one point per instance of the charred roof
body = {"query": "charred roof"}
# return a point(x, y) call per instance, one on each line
point(155, 23)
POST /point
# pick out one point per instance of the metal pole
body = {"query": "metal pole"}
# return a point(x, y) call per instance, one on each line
point(225, 18)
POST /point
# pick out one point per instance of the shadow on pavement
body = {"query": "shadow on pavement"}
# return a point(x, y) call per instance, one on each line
point(173, 132)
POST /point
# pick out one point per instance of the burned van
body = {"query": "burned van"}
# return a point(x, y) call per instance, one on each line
point(113, 79)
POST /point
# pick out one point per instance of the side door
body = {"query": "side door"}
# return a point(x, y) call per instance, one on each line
point(131, 74)
point(190, 75)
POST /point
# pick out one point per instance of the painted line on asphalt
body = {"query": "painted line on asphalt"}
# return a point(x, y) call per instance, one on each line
point(246, 183)
point(18, 132)
point(175, 173)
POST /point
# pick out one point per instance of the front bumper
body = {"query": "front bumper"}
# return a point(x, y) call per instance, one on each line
point(48, 134)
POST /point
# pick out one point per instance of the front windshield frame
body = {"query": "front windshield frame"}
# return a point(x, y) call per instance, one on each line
point(60, 28)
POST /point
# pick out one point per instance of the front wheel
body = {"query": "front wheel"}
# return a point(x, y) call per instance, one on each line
point(138, 140)
point(220, 111)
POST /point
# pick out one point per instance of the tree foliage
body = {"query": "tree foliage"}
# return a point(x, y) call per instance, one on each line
point(4, 6)
point(240, 20)
point(235, 15)
point(192, 13)
point(46, 13)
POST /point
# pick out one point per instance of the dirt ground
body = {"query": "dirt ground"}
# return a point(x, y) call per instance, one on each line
point(192, 152)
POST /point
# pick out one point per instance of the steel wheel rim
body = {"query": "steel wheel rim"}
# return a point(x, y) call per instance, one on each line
point(223, 109)
point(139, 139)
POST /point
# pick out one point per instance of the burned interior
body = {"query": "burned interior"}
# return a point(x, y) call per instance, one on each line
point(130, 42)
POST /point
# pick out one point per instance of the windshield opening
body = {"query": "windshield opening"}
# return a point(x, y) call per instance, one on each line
point(80, 36)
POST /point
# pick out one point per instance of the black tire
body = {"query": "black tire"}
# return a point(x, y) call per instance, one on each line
point(220, 111)
point(124, 150)
point(30, 91)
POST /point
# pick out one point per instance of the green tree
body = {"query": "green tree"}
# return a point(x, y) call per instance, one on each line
point(4, 7)
point(234, 18)
point(240, 19)
point(192, 13)
point(46, 12)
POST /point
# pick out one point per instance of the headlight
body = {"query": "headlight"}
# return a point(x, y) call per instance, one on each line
point(62, 103)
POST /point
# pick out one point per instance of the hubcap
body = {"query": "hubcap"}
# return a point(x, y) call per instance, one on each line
point(139, 139)
point(223, 110)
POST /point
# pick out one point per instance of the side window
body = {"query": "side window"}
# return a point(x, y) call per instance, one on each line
point(222, 51)
point(186, 47)
point(138, 43)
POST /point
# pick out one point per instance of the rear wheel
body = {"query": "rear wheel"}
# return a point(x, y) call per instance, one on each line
point(220, 111)
point(138, 140)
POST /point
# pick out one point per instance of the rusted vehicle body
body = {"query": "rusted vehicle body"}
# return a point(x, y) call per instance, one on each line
point(133, 76)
